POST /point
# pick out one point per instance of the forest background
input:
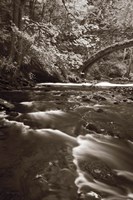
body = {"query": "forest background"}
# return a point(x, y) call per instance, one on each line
point(54, 41)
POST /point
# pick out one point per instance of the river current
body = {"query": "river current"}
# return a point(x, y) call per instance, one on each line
point(44, 122)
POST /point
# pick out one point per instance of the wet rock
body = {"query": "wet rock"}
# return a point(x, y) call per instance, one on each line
point(98, 170)
point(37, 188)
point(10, 195)
point(6, 105)
point(3, 115)
point(14, 114)
point(85, 98)
point(130, 98)
point(99, 97)
point(67, 178)
point(116, 102)
point(3, 136)
point(63, 95)
point(1, 108)
point(99, 110)
point(129, 101)
point(90, 196)
point(93, 127)
point(50, 197)
point(124, 100)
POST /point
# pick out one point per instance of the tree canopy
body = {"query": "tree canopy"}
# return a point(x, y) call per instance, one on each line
point(53, 40)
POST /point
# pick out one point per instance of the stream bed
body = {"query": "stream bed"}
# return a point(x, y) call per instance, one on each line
point(66, 144)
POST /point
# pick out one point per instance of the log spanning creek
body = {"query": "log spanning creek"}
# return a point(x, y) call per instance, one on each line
point(65, 144)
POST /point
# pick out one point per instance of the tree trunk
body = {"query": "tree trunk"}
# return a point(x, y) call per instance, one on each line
point(43, 10)
point(18, 13)
point(20, 26)
point(32, 4)
point(102, 53)
point(15, 5)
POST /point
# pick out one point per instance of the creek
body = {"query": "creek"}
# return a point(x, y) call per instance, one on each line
point(53, 141)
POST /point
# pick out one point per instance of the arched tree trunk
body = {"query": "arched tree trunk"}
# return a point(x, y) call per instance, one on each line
point(102, 53)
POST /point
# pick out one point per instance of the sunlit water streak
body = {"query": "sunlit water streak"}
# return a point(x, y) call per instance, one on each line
point(101, 84)
point(111, 160)
point(54, 119)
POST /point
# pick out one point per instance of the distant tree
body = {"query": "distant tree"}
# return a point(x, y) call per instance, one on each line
point(18, 8)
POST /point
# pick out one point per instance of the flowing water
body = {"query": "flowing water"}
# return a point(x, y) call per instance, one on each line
point(45, 126)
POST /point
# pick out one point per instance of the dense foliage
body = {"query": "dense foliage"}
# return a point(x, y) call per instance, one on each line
point(43, 40)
